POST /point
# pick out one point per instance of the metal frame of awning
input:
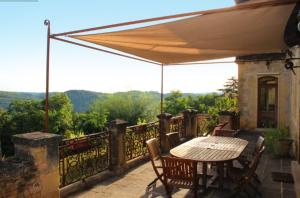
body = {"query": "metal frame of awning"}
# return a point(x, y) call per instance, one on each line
point(62, 37)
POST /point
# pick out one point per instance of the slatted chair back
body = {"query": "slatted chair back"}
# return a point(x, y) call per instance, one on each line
point(225, 133)
point(173, 139)
point(155, 157)
point(259, 144)
point(153, 149)
point(179, 169)
point(253, 165)
point(181, 173)
point(218, 127)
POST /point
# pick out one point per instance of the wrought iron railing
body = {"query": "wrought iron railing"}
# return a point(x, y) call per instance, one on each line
point(203, 125)
point(136, 137)
point(177, 125)
point(82, 157)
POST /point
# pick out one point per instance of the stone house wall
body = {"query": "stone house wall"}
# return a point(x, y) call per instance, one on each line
point(288, 94)
point(248, 75)
point(294, 117)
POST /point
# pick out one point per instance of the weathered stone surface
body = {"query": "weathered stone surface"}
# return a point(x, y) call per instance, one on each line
point(33, 172)
point(164, 128)
point(36, 139)
point(190, 123)
point(288, 94)
point(118, 130)
point(18, 178)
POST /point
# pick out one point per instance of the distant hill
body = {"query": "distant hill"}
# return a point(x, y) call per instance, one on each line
point(81, 99)
point(7, 97)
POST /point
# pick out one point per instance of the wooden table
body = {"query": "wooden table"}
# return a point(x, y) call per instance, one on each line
point(211, 149)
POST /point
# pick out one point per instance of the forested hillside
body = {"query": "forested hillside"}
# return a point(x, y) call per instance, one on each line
point(81, 99)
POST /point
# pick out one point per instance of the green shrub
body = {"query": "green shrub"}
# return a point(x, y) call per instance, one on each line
point(274, 134)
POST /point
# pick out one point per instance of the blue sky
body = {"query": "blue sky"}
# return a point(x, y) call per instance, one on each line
point(23, 48)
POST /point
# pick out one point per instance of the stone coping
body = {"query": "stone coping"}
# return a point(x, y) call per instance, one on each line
point(36, 139)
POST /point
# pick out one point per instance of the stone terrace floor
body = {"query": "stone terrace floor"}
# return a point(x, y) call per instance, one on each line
point(134, 182)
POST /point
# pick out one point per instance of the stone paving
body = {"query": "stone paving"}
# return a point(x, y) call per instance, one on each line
point(134, 182)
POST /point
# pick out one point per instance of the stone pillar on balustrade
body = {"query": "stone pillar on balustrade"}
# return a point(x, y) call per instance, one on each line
point(190, 123)
point(164, 128)
point(117, 130)
point(41, 149)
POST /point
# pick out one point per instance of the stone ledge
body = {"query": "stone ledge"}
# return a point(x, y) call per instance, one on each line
point(36, 139)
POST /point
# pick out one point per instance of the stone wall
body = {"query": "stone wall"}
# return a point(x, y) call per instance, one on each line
point(288, 94)
point(19, 179)
point(294, 117)
point(248, 75)
point(33, 171)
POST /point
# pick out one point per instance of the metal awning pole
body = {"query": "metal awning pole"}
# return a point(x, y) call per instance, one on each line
point(47, 23)
point(162, 90)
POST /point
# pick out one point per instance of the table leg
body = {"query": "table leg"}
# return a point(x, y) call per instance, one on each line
point(204, 178)
point(220, 170)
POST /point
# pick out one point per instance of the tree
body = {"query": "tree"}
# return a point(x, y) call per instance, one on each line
point(60, 113)
point(130, 106)
point(230, 88)
point(175, 102)
point(26, 116)
point(90, 122)
point(5, 135)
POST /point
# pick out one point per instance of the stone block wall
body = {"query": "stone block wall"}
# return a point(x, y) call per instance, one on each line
point(33, 171)
point(294, 116)
point(248, 75)
point(288, 95)
point(19, 179)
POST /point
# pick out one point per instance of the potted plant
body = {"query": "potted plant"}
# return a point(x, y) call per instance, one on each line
point(278, 141)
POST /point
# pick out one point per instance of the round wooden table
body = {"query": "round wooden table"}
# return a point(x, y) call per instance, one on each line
point(210, 149)
point(213, 149)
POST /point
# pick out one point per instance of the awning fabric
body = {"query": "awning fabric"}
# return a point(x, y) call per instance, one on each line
point(203, 37)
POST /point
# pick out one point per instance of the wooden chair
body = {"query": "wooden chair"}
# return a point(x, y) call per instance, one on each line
point(155, 157)
point(219, 127)
point(173, 139)
point(243, 177)
point(245, 159)
point(180, 173)
point(225, 132)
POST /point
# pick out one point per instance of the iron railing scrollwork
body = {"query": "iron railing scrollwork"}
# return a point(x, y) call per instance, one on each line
point(83, 157)
point(203, 125)
point(177, 125)
point(136, 137)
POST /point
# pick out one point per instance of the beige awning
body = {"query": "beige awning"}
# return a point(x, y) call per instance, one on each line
point(210, 36)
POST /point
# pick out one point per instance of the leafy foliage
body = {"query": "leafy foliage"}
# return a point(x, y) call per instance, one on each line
point(175, 103)
point(60, 113)
point(89, 122)
point(274, 134)
point(128, 106)
point(24, 116)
